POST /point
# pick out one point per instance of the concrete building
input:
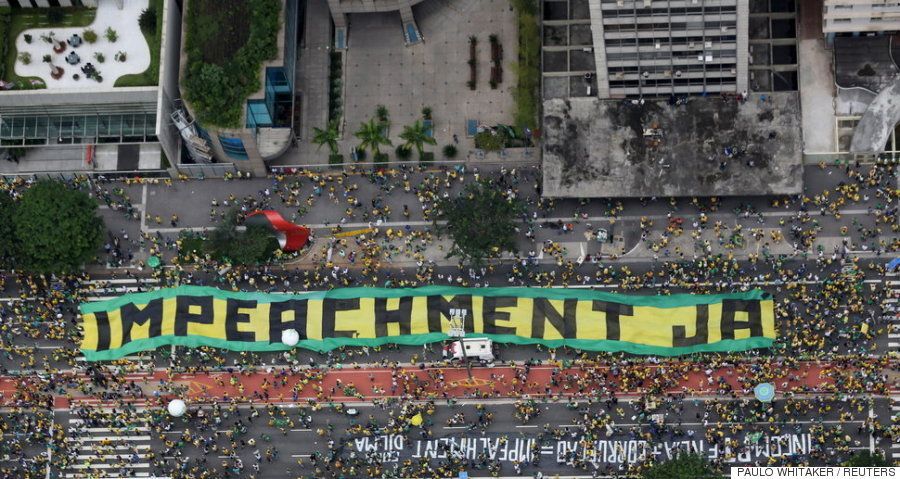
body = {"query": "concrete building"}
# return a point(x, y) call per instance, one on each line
point(856, 16)
point(665, 47)
point(92, 128)
point(341, 9)
point(268, 116)
point(711, 146)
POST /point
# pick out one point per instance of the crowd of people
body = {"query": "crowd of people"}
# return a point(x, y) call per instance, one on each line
point(825, 313)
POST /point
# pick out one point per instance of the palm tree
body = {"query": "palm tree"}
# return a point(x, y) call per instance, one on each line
point(372, 136)
point(416, 135)
point(328, 136)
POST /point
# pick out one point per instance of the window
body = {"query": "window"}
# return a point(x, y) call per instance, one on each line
point(233, 147)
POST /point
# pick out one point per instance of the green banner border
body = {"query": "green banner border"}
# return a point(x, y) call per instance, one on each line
point(671, 301)
point(328, 344)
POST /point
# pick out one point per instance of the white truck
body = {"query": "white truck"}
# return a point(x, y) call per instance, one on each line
point(477, 349)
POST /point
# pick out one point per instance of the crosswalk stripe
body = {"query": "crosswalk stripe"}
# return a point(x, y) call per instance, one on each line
point(121, 281)
point(105, 457)
point(140, 465)
point(109, 475)
point(115, 438)
point(139, 447)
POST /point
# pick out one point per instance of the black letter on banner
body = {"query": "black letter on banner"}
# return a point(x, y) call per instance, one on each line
point(131, 315)
point(438, 306)
point(679, 333)
point(233, 318)
point(383, 317)
point(490, 315)
point(183, 315)
point(754, 317)
point(103, 338)
point(299, 308)
point(564, 323)
point(613, 311)
point(329, 308)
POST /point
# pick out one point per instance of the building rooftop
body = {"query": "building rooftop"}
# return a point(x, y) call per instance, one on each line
point(62, 57)
point(865, 62)
point(709, 147)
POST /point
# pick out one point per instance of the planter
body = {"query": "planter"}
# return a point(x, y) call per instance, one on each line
point(336, 159)
point(59, 47)
point(427, 157)
point(473, 64)
point(57, 72)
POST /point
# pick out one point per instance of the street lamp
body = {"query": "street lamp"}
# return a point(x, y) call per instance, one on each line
point(458, 330)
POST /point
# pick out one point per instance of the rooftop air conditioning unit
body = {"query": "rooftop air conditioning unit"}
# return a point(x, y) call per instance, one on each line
point(667, 73)
point(645, 74)
point(709, 58)
point(691, 45)
point(700, 58)
point(678, 73)
point(658, 45)
point(708, 44)
point(647, 3)
point(733, 71)
point(724, 29)
point(620, 3)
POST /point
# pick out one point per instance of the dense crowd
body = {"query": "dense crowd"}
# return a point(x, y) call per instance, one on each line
point(826, 314)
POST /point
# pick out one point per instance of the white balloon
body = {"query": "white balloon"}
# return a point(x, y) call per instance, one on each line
point(290, 337)
point(177, 408)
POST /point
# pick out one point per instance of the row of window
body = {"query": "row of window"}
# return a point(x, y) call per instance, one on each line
point(674, 41)
point(666, 26)
point(670, 82)
point(660, 69)
point(646, 12)
point(707, 56)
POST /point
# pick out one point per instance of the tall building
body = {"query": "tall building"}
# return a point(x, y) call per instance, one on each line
point(850, 16)
point(666, 47)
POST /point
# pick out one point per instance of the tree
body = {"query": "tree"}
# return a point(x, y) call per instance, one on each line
point(481, 222)
point(693, 466)
point(329, 136)
point(867, 459)
point(254, 245)
point(372, 136)
point(8, 243)
point(57, 228)
point(416, 135)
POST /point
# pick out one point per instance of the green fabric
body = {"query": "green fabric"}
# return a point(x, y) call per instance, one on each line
point(672, 301)
point(327, 344)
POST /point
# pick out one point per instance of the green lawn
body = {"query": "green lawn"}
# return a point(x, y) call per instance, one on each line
point(150, 76)
point(23, 19)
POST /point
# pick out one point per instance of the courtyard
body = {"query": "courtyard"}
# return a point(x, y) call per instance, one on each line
point(86, 57)
point(381, 70)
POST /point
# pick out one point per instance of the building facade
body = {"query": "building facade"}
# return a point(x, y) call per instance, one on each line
point(341, 9)
point(268, 118)
point(852, 16)
point(669, 47)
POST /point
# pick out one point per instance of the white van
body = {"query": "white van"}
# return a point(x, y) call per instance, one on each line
point(477, 349)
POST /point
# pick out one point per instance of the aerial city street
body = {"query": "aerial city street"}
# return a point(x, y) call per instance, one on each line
point(448, 238)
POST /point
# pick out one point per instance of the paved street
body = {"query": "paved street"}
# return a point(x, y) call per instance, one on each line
point(823, 260)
